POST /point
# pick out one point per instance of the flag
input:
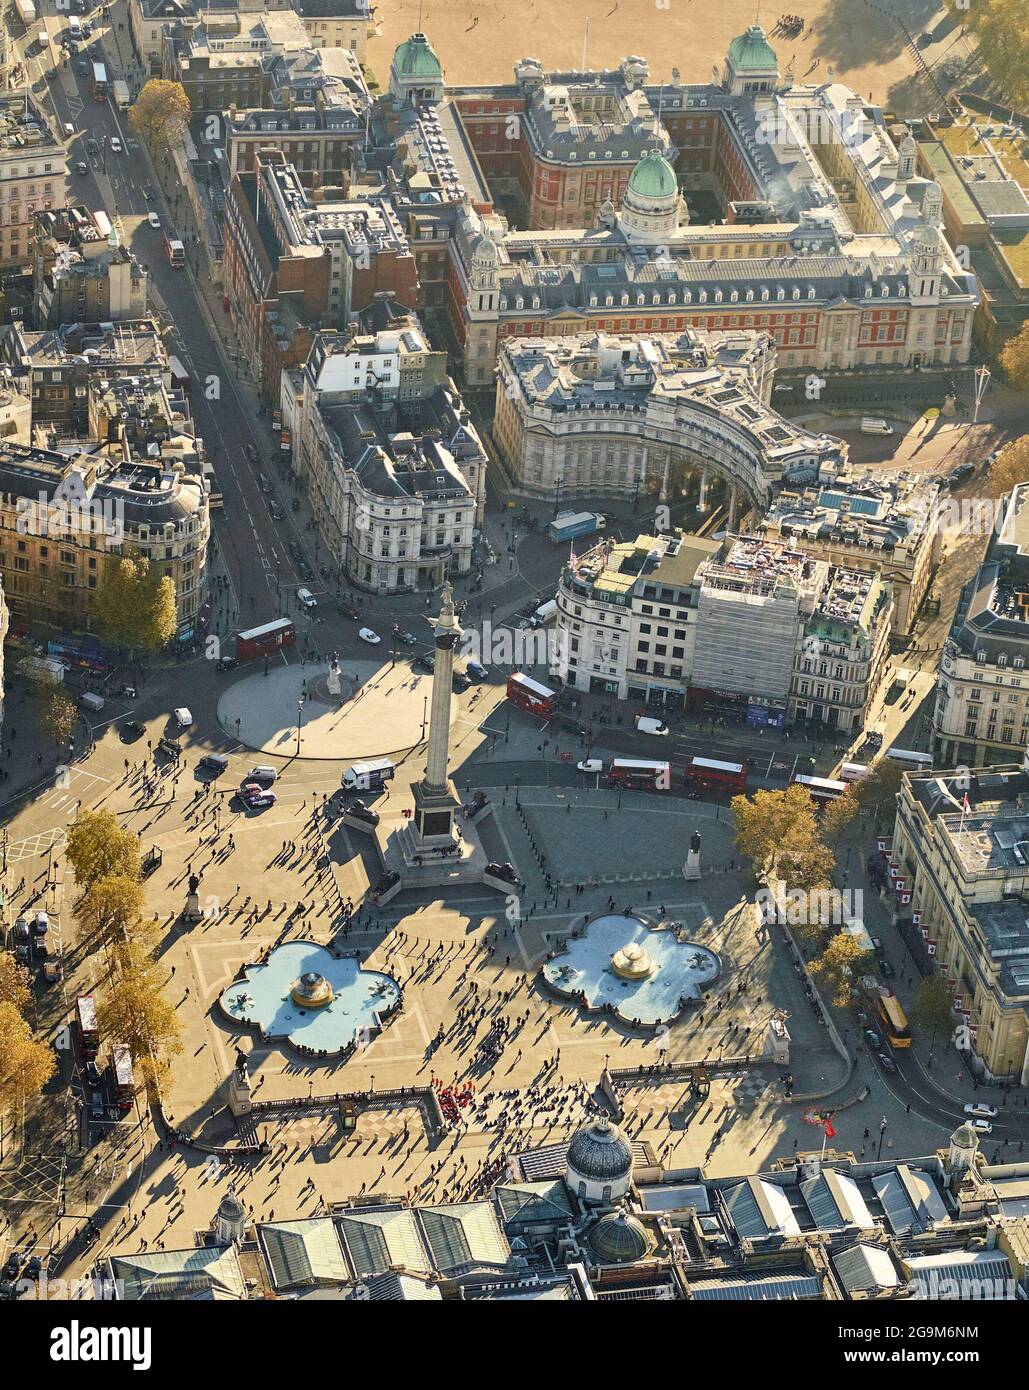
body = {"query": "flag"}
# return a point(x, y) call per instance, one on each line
point(572, 557)
point(827, 1128)
point(966, 805)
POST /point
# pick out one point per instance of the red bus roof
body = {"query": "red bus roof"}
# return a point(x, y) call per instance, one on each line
point(267, 629)
point(85, 1012)
point(713, 765)
point(534, 687)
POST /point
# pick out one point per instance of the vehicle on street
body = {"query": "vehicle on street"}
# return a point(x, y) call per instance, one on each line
point(409, 639)
point(91, 1075)
point(307, 598)
point(874, 425)
point(183, 717)
point(887, 1063)
point(256, 797)
point(591, 765)
point(370, 636)
point(427, 661)
point(227, 663)
point(369, 776)
point(262, 774)
point(886, 969)
point(980, 1126)
point(475, 669)
point(81, 167)
point(33, 1269)
point(567, 526)
point(979, 1110)
point(961, 471)
point(22, 929)
point(215, 763)
point(362, 812)
point(12, 1267)
point(170, 747)
point(264, 484)
point(646, 725)
point(275, 510)
point(147, 192)
point(115, 145)
point(461, 680)
point(154, 220)
point(873, 1039)
point(266, 639)
point(91, 145)
point(132, 730)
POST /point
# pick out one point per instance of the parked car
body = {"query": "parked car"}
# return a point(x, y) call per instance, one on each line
point(183, 717)
point(887, 1063)
point(307, 598)
point(370, 636)
point(979, 1110)
point(256, 797)
point(215, 763)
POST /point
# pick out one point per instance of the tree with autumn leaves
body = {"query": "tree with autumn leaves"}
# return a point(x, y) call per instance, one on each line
point(1001, 28)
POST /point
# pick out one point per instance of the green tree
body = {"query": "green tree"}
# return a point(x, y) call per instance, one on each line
point(932, 1008)
point(877, 793)
point(98, 847)
point(160, 114)
point(1002, 30)
point(14, 983)
point(1010, 468)
point(134, 1011)
point(779, 833)
point(135, 603)
point(110, 911)
point(838, 815)
point(838, 967)
point(1014, 359)
point(25, 1064)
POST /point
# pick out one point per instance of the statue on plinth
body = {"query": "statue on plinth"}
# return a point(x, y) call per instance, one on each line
point(691, 869)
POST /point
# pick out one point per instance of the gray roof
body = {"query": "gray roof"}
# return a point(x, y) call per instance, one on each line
point(210, 1272)
point(960, 1274)
point(910, 1199)
point(303, 1252)
point(600, 1151)
point(759, 1208)
point(865, 1269)
point(754, 1288)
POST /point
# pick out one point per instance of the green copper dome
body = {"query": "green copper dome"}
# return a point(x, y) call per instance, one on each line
point(417, 58)
point(751, 52)
point(653, 177)
point(619, 1238)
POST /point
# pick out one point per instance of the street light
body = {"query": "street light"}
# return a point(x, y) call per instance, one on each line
point(882, 1136)
point(300, 721)
point(557, 493)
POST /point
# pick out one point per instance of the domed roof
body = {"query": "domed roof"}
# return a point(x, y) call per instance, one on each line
point(965, 1137)
point(600, 1152)
point(653, 177)
point(230, 1208)
point(618, 1238)
point(751, 52)
point(417, 58)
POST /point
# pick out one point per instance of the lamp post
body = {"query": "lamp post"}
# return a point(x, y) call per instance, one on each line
point(882, 1136)
point(300, 721)
point(557, 493)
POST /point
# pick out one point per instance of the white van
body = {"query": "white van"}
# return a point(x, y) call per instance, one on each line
point(545, 613)
point(872, 425)
point(94, 703)
point(368, 777)
point(74, 27)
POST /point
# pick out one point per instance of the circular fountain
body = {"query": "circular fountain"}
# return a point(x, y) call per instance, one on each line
point(311, 991)
point(632, 962)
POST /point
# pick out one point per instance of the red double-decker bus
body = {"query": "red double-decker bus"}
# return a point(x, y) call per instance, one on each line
point(640, 774)
point(529, 695)
point(710, 775)
point(263, 640)
point(86, 1031)
point(123, 1081)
